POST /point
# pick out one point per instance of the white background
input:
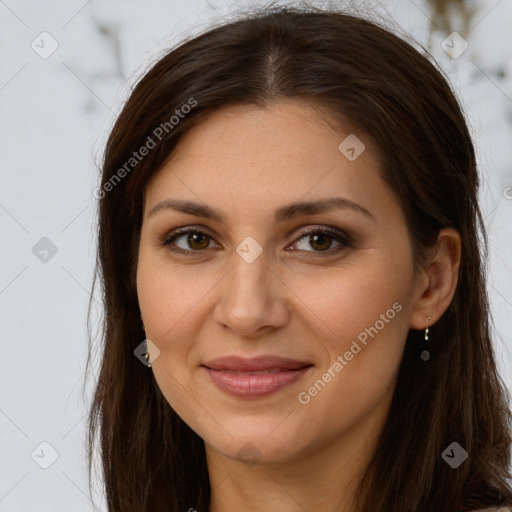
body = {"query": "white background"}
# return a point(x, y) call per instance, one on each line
point(55, 114)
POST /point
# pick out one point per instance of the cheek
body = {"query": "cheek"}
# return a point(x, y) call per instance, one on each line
point(345, 300)
point(359, 313)
point(172, 301)
point(360, 318)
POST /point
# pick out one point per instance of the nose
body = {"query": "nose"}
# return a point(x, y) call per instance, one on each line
point(252, 298)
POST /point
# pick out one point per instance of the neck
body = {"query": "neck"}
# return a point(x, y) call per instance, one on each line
point(323, 477)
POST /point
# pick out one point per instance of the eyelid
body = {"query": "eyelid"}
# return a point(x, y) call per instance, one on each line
point(324, 228)
point(342, 237)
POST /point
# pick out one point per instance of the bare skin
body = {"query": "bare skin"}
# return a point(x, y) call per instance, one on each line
point(300, 298)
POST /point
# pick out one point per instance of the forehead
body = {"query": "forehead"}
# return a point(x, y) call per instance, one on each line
point(295, 127)
point(286, 151)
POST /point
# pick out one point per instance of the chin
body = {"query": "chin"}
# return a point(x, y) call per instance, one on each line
point(255, 445)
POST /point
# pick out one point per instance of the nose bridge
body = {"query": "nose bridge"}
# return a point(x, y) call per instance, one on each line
point(248, 293)
point(248, 279)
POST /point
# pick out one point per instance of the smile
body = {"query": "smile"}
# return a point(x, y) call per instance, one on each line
point(256, 377)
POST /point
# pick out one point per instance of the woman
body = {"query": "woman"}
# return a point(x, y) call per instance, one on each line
point(288, 238)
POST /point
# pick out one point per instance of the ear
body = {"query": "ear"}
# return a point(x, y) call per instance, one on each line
point(437, 282)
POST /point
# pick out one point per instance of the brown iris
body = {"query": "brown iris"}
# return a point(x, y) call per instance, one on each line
point(193, 239)
point(319, 237)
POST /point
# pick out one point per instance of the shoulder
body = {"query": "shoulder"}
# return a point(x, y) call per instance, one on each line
point(502, 509)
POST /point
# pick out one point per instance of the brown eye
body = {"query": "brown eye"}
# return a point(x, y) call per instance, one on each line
point(321, 240)
point(197, 241)
point(190, 240)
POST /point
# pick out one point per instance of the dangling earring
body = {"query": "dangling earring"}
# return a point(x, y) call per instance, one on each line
point(425, 355)
point(146, 354)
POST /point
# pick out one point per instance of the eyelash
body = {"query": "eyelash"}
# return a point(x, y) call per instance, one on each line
point(339, 236)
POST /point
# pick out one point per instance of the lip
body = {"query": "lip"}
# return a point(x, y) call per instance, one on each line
point(255, 377)
point(260, 363)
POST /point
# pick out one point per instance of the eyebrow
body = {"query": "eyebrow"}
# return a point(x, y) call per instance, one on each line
point(283, 213)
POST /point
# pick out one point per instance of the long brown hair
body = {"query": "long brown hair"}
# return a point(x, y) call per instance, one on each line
point(365, 75)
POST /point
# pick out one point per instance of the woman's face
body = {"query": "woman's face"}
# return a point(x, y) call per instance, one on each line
point(266, 281)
